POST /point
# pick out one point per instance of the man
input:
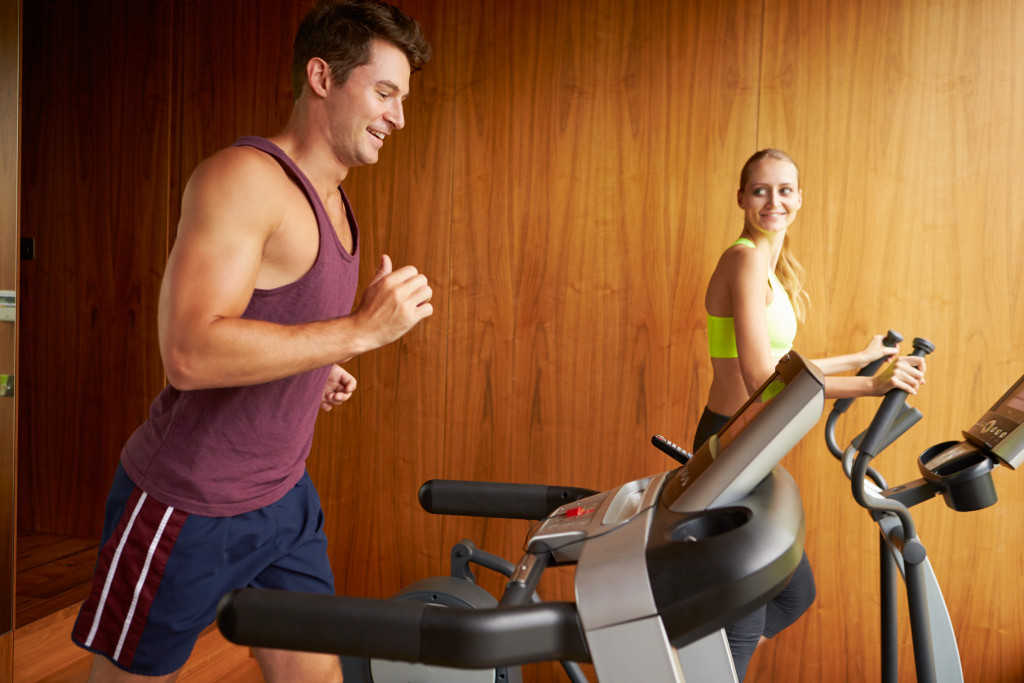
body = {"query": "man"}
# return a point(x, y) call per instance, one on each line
point(255, 314)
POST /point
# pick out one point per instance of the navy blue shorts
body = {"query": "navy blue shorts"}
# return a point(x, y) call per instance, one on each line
point(161, 571)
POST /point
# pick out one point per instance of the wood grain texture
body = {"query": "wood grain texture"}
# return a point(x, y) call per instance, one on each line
point(94, 197)
point(234, 64)
point(44, 653)
point(10, 113)
point(54, 572)
point(7, 655)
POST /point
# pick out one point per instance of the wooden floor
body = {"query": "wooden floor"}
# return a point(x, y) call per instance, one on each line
point(53, 577)
point(54, 572)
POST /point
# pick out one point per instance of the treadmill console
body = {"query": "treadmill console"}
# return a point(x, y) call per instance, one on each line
point(725, 470)
point(1001, 429)
point(751, 444)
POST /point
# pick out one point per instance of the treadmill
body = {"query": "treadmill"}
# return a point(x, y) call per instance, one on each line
point(662, 564)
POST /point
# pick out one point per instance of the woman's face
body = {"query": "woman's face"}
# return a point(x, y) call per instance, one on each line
point(772, 196)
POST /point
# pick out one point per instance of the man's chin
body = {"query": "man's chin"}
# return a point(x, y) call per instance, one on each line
point(367, 159)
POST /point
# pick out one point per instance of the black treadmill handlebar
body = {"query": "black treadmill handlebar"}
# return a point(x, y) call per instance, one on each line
point(494, 499)
point(402, 630)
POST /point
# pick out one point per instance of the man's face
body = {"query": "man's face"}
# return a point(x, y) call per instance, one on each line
point(368, 107)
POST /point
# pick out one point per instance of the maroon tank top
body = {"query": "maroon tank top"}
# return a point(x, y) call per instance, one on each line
point(221, 452)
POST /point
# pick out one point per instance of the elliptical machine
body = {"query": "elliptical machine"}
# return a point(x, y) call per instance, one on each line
point(662, 563)
point(961, 471)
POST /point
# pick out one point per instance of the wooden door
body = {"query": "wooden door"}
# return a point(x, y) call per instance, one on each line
point(9, 112)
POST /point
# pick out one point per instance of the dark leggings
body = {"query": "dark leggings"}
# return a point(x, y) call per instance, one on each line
point(782, 610)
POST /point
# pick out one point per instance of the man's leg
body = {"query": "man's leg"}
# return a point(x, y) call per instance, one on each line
point(285, 666)
point(302, 566)
point(103, 671)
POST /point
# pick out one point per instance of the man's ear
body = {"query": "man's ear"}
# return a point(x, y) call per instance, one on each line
point(318, 76)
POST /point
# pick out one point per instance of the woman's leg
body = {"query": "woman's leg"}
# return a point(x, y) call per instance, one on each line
point(795, 599)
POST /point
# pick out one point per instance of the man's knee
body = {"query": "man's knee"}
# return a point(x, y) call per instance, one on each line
point(285, 666)
point(105, 671)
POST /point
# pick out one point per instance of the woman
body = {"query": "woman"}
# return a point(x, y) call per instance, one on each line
point(754, 299)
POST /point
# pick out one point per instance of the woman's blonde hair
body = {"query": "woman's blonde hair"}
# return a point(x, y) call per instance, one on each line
point(788, 269)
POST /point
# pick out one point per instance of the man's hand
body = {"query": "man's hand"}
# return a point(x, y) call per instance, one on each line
point(339, 388)
point(393, 303)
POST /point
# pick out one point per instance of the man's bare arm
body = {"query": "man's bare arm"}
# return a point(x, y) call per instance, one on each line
point(229, 211)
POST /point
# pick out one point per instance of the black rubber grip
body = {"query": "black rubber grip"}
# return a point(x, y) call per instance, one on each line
point(402, 630)
point(891, 406)
point(492, 499)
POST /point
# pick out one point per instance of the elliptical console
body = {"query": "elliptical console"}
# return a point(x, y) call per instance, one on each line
point(1001, 428)
point(962, 470)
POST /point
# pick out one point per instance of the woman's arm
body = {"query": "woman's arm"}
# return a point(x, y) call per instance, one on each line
point(749, 292)
point(906, 373)
point(854, 361)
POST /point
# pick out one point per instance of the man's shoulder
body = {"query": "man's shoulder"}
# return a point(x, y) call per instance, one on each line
point(240, 159)
point(248, 169)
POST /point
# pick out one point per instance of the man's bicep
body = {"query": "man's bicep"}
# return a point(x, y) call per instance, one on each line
point(216, 257)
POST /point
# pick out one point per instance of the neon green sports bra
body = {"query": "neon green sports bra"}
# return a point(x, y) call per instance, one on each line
point(781, 322)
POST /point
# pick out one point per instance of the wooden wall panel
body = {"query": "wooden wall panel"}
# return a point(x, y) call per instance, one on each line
point(234, 71)
point(905, 118)
point(94, 197)
point(10, 113)
point(579, 231)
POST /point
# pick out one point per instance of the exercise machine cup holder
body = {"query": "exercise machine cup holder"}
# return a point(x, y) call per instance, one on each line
point(709, 524)
point(962, 472)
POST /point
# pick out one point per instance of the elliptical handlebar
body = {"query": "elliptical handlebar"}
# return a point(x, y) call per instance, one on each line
point(892, 338)
point(890, 408)
point(892, 418)
point(840, 406)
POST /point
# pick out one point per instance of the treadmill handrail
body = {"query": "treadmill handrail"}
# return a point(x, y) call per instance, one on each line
point(496, 499)
point(402, 630)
